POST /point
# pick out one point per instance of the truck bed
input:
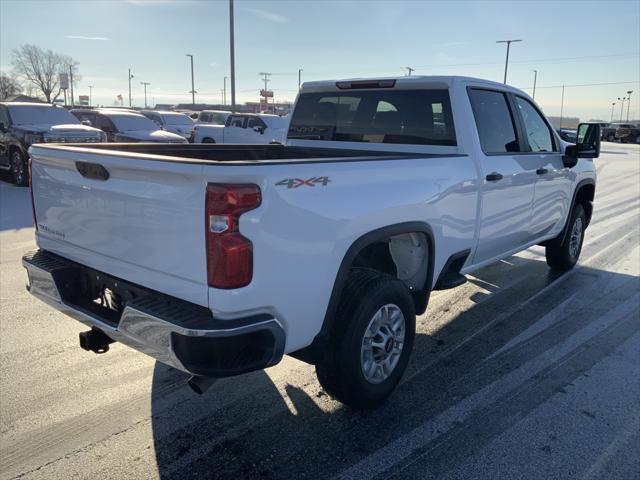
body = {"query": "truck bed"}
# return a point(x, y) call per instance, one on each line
point(239, 154)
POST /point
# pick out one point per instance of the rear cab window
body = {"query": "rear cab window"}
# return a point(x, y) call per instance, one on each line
point(417, 117)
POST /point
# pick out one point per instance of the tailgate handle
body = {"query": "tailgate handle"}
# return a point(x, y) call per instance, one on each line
point(92, 170)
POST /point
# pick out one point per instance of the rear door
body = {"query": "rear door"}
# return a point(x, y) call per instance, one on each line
point(236, 129)
point(508, 177)
point(553, 185)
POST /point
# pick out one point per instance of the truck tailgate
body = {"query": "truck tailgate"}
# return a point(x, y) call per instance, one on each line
point(145, 222)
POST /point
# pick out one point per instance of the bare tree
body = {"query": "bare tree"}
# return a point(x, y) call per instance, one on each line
point(9, 86)
point(42, 68)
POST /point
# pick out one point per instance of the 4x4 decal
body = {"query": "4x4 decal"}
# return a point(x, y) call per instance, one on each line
point(299, 182)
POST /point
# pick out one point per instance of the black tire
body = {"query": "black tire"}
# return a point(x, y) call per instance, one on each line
point(340, 372)
point(611, 137)
point(19, 168)
point(562, 255)
point(208, 140)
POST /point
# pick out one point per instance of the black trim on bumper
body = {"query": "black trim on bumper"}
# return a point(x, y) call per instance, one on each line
point(179, 333)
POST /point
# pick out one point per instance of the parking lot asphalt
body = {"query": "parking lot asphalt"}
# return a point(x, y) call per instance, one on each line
point(519, 373)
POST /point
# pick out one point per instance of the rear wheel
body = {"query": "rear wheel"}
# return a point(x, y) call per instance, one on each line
point(19, 169)
point(208, 140)
point(562, 253)
point(371, 342)
point(611, 137)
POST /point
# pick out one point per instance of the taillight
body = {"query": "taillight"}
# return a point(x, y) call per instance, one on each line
point(33, 205)
point(229, 254)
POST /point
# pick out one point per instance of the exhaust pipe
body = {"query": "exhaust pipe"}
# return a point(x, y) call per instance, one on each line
point(201, 384)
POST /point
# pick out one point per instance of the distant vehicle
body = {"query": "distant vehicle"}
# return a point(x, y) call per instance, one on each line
point(23, 124)
point(567, 135)
point(628, 134)
point(609, 132)
point(126, 126)
point(213, 117)
point(174, 122)
point(243, 128)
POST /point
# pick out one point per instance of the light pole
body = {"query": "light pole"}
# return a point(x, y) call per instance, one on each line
point(613, 104)
point(90, 96)
point(621, 100)
point(299, 78)
point(535, 77)
point(266, 76)
point(561, 107)
point(193, 88)
point(233, 58)
point(145, 92)
point(130, 77)
point(409, 70)
point(506, 62)
point(224, 90)
point(628, 102)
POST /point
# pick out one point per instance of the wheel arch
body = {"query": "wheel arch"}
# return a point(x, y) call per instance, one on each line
point(583, 194)
point(420, 296)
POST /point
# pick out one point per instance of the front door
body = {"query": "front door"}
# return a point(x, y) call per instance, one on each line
point(4, 136)
point(553, 186)
point(508, 178)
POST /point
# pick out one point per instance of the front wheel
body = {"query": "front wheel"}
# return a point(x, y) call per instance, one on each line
point(562, 253)
point(19, 169)
point(208, 140)
point(371, 341)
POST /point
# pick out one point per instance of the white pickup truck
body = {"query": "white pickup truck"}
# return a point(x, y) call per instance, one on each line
point(245, 128)
point(220, 259)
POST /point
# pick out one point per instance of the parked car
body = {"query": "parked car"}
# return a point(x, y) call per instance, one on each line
point(23, 124)
point(609, 133)
point(243, 128)
point(220, 259)
point(628, 134)
point(173, 122)
point(213, 117)
point(567, 135)
point(126, 126)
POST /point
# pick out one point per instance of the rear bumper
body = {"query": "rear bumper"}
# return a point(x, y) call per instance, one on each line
point(178, 333)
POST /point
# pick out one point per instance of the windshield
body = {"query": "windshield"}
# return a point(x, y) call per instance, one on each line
point(127, 123)
point(36, 115)
point(419, 117)
point(176, 119)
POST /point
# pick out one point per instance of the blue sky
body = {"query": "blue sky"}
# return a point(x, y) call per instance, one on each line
point(336, 39)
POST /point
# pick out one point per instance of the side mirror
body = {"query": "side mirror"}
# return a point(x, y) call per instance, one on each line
point(86, 122)
point(587, 144)
point(259, 130)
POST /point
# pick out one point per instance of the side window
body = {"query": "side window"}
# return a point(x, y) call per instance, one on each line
point(537, 130)
point(493, 121)
point(104, 124)
point(205, 117)
point(4, 117)
point(256, 122)
point(237, 122)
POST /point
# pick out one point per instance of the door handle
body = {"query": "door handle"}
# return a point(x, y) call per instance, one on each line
point(542, 171)
point(494, 177)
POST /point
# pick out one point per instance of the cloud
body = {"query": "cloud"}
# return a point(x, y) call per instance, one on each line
point(82, 37)
point(271, 16)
